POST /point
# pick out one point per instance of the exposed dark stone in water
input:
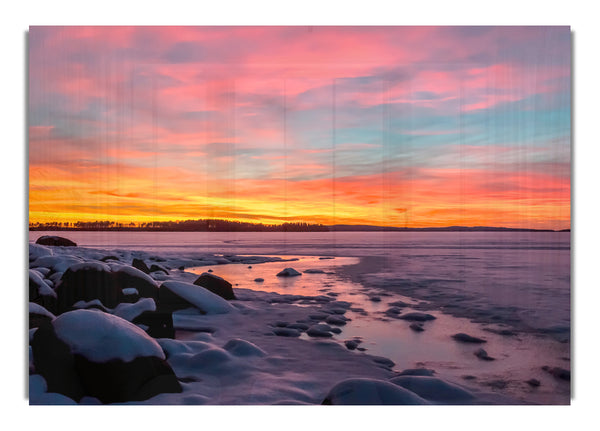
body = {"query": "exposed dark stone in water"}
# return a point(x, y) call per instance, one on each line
point(398, 304)
point(417, 317)
point(351, 344)
point(482, 354)
point(259, 280)
point(533, 382)
point(559, 373)
point(55, 241)
point(468, 338)
point(497, 384)
point(417, 327)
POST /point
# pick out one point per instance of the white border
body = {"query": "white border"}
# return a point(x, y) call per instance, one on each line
point(17, 16)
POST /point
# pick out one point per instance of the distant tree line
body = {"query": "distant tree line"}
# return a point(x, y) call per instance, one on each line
point(202, 225)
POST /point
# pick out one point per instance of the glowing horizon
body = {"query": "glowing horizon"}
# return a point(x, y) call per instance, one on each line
point(387, 126)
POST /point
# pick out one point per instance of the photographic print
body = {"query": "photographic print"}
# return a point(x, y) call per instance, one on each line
point(307, 215)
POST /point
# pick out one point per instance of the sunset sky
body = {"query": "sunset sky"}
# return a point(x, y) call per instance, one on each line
point(398, 126)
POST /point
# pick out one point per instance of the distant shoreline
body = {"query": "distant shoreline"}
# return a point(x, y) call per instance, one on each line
point(334, 228)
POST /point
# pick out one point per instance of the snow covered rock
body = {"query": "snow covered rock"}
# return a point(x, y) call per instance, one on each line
point(239, 347)
point(91, 353)
point(40, 291)
point(370, 392)
point(465, 338)
point(129, 311)
point(36, 251)
point(55, 263)
point(177, 295)
point(319, 330)
point(55, 241)
point(434, 389)
point(216, 285)
point(38, 315)
point(336, 320)
point(287, 332)
point(94, 280)
point(159, 268)
point(288, 272)
point(482, 354)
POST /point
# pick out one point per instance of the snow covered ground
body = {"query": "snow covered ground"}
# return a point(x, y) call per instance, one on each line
point(319, 337)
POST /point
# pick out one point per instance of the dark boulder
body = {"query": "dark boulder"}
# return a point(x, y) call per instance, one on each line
point(169, 301)
point(141, 265)
point(127, 277)
point(38, 315)
point(159, 323)
point(71, 366)
point(55, 241)
point(216, 285)
point(88, 281)
point(53, 359)
point(116, 381)
point(158, 268)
